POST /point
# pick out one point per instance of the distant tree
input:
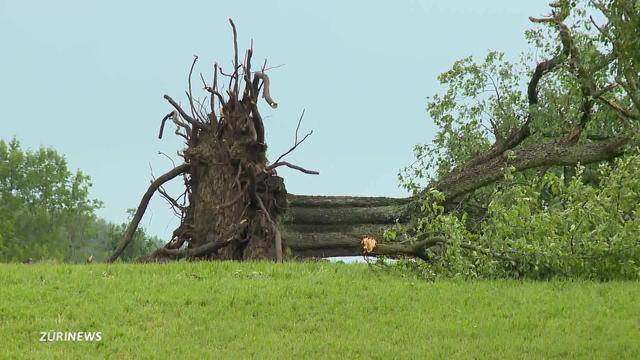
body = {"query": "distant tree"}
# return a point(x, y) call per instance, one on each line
point(44, 207)
point(46, 212)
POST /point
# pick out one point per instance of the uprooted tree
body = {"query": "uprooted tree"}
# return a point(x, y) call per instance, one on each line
point(578, 104)
point(232, 196)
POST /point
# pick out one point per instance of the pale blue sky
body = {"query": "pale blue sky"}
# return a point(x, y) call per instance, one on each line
point(87, 78)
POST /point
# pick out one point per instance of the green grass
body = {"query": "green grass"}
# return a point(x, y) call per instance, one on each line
point(307, 310)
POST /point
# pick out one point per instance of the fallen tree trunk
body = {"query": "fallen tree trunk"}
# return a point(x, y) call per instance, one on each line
point(349, 215)
point(325, 226)
point(322, 244)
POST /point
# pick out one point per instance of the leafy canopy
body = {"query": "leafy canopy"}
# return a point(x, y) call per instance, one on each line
point(558, 220)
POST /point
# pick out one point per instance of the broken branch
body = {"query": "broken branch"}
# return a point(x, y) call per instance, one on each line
point(266, 94)
point(164, 119)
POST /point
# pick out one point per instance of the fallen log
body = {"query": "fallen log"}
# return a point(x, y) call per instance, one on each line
point(326, 226)
point(320, 245)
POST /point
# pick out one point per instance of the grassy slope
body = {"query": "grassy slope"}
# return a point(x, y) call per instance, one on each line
point(234, 310)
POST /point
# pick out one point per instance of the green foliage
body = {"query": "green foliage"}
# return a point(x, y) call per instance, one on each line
point(46, 213)
point(552, 227)
point(43, 206)
point(541, 228)
point(466, 117)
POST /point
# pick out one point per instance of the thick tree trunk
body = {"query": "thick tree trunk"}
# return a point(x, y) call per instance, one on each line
point(228, 180)
point(323, 226)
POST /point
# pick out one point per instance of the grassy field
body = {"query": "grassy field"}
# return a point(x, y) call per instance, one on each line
point(310, 310)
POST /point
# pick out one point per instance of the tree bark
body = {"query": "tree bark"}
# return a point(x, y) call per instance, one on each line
point(313, 201)
point(324, 226)
point(469, 178)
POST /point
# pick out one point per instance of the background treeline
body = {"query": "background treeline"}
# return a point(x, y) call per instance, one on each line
point(46, 212)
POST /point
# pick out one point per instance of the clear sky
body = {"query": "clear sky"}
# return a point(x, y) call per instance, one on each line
point(87, 78)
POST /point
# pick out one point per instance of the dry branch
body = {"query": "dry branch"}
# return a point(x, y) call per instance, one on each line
point(235, 58)
point(190, 94)
point(195, 252)
point(190, 120)
point(142, 207)
point(295, 141)
point(164, 119)
point(295, 167)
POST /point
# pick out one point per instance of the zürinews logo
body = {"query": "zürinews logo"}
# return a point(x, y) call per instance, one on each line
point(78, 336)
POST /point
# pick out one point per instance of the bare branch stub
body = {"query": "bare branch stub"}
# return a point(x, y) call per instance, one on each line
point(266, 93)
point(164, 119)
point(175, 118)
point(235, 57)
point(190, 94)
